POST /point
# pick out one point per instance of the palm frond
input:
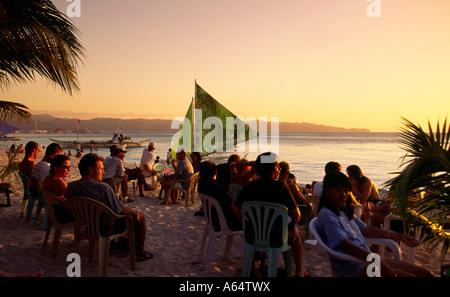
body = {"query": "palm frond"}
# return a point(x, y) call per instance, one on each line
point(14, 111)
point(425, 170)
point(37, 38)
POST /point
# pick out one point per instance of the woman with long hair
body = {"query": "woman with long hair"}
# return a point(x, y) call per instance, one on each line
point(343, 231)
point(363, 187)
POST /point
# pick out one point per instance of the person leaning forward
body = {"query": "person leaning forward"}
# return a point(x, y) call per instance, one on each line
point(268, 189)
point(183, 171)
point(90, 185)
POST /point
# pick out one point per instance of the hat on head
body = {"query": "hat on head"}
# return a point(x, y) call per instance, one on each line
point(120, 149)
point(151, 145)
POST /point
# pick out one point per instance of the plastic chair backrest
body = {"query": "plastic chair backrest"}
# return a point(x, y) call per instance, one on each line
point(88, 213)
point(358, 210)
point(193, 181)
point(379, 241)
point(38, 188)
point(213, 214)
point(24, 183)
point(264, 219)
point(50, 199)
point(110, 181)
point(315, 232)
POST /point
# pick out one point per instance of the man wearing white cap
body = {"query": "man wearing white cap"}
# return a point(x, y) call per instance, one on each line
point(183, 171)
point(148, 158)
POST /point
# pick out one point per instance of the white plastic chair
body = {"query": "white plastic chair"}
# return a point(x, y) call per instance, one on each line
point(159, 168)
point(210, 206)
point(87, 213)
point(387, 227)
point(261, 218)
point(189, 193)
point(50, 201)
point(378, 241)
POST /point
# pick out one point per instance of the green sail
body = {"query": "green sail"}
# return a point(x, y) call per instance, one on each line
point(215, 128)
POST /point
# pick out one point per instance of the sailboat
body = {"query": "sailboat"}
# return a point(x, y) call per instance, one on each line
point(6, 129)
point(118, 138)
point(210, 128)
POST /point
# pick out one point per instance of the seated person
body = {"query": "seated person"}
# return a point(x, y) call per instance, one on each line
point(362, 187)
point(295, 190)
point(196, 160)
point(268, 189)
point(343, 231)
point(242, 172)
point(26, 165)
point(224, 171)
point(209, 186)
point(148, 159)
point(114, 169)
point(90, 185)
point(55, 184)
point(42, 168)
point(184, 171)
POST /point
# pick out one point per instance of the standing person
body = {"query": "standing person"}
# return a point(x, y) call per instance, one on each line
point(32, 150)
point(169, 157)
point(343, 231)
point(268, 189)
point(90, 185)
point(183, 171)
point(362, 187)
point(42, 168)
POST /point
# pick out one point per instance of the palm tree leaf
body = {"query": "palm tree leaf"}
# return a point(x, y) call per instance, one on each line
point(37, 38)
point(425, 169)
point(13, 111)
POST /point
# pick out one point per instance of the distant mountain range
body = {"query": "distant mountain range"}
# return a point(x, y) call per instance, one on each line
point(49, 122)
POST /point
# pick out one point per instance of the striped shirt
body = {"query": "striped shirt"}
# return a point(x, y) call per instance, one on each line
point(113, 166)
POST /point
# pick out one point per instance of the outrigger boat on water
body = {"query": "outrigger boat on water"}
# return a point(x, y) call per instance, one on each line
point(118, 138)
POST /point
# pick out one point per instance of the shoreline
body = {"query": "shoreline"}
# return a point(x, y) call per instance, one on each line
point(173, 235)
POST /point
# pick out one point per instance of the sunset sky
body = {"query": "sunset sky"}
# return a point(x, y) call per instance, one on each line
point(317, 61)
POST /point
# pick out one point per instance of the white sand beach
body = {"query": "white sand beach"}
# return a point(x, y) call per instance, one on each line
point(173, 235)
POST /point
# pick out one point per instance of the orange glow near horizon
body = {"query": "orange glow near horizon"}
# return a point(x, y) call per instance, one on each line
point(317, 61)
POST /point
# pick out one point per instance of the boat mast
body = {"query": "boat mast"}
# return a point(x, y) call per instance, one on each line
point(78, 128)
point(193, 146)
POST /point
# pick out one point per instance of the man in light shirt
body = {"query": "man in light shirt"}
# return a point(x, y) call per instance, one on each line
point(148, 159)
point(42, 168)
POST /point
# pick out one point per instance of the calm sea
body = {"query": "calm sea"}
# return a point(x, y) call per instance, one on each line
point(377, 154)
